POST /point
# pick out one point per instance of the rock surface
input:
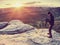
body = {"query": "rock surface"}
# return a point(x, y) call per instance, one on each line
point(16, 26)
point(3, 24)
point(30, 37)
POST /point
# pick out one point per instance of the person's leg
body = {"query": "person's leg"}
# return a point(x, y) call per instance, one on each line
point(50, 33)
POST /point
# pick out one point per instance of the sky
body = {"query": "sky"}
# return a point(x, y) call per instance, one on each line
point(11, 3)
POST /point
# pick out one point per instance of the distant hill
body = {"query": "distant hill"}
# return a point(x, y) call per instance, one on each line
point(28, 14)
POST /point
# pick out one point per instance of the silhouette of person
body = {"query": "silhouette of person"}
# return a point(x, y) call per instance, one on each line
point(51, 23)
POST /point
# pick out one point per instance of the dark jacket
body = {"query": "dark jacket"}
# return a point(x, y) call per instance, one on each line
point(51, 20)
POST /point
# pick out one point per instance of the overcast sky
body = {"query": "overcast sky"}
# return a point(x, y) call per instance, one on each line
point(51, 3)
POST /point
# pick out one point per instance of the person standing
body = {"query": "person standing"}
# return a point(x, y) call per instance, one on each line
point(51, 23)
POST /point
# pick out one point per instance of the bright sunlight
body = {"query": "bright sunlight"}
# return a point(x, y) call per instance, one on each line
point(17, 5)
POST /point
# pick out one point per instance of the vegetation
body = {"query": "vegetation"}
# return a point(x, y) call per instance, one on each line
point(41, 24)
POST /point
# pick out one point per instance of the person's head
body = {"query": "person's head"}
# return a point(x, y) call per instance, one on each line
point(49, 13)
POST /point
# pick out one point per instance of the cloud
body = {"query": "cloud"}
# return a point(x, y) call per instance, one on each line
point(7, 4)
point(32, 2)
point(49, 3)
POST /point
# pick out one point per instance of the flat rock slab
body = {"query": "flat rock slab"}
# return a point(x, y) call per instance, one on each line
point(32, 37)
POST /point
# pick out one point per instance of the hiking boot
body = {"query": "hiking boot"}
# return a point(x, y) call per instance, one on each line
point(50, 37)
point(48, 33)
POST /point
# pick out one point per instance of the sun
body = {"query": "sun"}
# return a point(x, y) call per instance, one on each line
point(17, 5)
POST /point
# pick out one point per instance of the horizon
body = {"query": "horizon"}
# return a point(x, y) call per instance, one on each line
point(27, 14)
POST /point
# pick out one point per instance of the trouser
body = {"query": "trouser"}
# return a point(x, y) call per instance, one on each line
point(50, 29)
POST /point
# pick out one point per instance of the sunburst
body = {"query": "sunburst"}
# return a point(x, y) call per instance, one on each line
point(17, 5)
